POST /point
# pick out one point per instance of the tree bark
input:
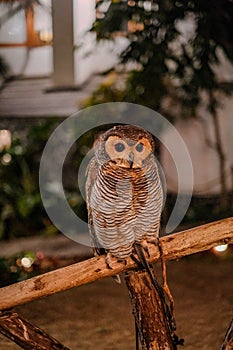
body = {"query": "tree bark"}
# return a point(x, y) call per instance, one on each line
point(26, 335)
point(148, 311)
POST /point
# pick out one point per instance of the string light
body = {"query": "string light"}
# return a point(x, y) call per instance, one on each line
point(6, 159)
point(26, 262)
point(221, 248)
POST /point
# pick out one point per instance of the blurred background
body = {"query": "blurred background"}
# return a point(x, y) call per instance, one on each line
point(58, 57)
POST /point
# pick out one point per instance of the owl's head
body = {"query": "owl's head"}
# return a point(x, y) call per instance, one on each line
point(127, 146)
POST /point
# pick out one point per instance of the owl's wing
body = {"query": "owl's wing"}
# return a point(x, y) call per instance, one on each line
point(91, 174)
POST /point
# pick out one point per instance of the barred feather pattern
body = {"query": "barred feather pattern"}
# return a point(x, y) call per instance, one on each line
point(124, 206)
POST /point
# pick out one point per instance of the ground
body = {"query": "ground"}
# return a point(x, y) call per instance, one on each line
point(98, 315)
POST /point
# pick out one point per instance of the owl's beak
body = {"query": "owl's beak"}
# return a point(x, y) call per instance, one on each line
point(131, 159)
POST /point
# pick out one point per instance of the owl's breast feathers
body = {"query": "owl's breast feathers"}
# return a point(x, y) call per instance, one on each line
point(124, 205)
point(131, 185)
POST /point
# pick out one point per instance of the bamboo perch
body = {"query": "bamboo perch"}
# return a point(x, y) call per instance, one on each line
point(174, 246)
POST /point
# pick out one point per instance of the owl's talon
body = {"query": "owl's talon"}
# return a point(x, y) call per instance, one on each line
point(110, 260)
point(144, 245)
point(154, 240)
point(124, 261)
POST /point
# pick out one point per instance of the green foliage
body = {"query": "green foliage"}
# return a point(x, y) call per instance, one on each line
point(12, 269)
point(169, 57)
point(21, 209)
point(112, 89)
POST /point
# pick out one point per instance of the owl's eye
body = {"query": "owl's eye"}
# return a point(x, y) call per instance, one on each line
point(139, 147)
point(119, 147)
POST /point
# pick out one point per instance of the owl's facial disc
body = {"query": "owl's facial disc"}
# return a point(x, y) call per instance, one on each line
point(128, 153)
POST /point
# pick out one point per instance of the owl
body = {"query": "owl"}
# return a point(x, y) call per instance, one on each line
point(123, 192)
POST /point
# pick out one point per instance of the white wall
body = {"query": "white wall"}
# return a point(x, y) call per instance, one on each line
point(204, 158)
point(12, 30)
point(90, 57)
point(29, 62)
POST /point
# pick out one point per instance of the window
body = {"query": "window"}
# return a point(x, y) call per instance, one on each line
point(30, 26)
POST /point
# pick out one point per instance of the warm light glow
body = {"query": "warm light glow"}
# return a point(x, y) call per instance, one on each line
point(134, 26)
point(5, 139)
point(46, 36)
point(221, 248)
point(26, 262)
point(131, 3)
point(6, 159)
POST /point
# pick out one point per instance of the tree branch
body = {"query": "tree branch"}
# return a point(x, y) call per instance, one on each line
point(228, 341)
point(174, 246)
point(25, 334)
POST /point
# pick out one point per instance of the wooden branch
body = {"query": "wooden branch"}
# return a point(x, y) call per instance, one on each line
point(26, 335)
point(148, 311)
point(174, 246)
point(228, 340)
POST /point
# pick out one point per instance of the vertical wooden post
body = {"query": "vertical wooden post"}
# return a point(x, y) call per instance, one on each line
point(63, 46)
point(148, 312)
